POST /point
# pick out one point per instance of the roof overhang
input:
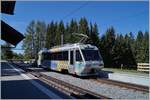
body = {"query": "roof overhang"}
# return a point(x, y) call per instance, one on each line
point(7, 7)
point(10, 35)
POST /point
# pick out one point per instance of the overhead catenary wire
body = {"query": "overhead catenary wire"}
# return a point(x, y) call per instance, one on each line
point(82, 6)
point(75, 10)
point(71, 13)
point(87, 2)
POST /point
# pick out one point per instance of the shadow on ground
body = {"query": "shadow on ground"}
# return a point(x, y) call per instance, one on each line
point(23, 89)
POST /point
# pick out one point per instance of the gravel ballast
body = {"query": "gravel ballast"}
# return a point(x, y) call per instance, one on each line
point(111, 91)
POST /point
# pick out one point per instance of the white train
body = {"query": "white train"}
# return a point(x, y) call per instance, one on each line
point(79, 59)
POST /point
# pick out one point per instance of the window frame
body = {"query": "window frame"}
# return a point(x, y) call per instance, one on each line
point(60, 55)
point(81, 59)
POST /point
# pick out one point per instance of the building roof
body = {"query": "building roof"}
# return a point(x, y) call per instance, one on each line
point(10, 35)
point(7, 7)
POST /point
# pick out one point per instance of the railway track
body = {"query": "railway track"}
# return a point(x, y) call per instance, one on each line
point(123, 84)
point(69, 89)
point(74, 91)
point(78, 92)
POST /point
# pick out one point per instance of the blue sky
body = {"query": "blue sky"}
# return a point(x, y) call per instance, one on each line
point(125, 16)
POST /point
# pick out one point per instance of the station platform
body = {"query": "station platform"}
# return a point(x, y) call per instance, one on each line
point(17, 84)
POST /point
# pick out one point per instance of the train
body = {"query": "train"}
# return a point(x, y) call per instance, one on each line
point(78, 59)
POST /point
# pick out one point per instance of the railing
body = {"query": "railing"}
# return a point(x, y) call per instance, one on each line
point(143, 67)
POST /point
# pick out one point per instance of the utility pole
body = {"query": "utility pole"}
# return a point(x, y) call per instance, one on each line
point(62, 39)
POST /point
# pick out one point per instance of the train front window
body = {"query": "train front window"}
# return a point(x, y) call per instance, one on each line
point(91, 55)
point(78, 56)
point(46, 56)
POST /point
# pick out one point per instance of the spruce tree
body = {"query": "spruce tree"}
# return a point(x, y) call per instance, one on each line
point(6, 51)
point(29, 42)
point(50, 35)
point(146, 47)
point(73, 28)
point(62, 30)
point(94, 35)
point(139, 47)
point(108, 44)
point(83, 26)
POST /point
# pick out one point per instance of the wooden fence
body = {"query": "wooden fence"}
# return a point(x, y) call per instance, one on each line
point(143, 67)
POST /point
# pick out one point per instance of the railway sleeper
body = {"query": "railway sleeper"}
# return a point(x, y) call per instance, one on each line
point(72, 92)
point(59, 87)
point(69, 88)
point(84, 96)
point(125, 85)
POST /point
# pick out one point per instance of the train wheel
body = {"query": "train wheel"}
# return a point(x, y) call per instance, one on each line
point(49, 69)
point(65, 71)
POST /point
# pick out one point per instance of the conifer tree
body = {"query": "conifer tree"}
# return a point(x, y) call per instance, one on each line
point(73, 28)
point(6, 51)
point(83, 26)
point(115, 50)
point(108, 44)
point(50, 35)
point(146, 47)
point(139, 48)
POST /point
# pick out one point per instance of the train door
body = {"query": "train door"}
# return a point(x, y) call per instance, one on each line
point(71, 58)
point(79, 62)
point(71, 61)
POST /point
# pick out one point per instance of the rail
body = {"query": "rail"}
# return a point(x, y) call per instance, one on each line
point(143, 67)
point(123, 84)
point(73, 90)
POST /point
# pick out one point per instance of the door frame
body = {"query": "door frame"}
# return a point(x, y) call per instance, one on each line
point(72, 66)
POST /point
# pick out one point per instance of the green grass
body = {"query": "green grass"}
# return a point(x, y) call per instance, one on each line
point(126, 71)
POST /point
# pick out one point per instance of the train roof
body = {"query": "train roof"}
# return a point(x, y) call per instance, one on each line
point(72, 46)
point(43, 51)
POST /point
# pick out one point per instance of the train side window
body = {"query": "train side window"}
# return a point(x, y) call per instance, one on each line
point(78, 56)
point(46, 56)
point(59, 55)
point(65, 55)
point(54, 56)
point(51, 56)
